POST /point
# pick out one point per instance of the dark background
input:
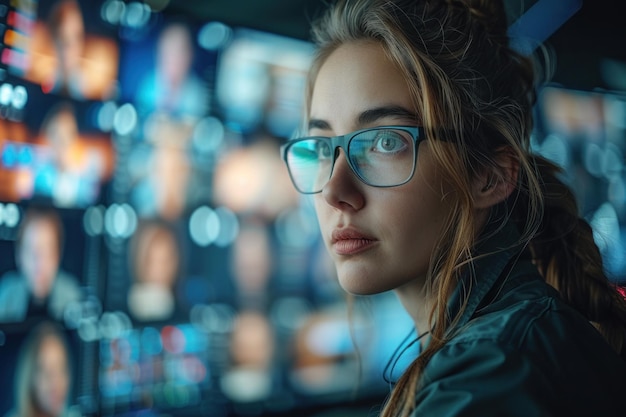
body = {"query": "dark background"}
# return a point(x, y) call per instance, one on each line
point(596, 33)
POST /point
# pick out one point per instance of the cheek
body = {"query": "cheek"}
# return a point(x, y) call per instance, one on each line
point(419, 216)
point(321, 208)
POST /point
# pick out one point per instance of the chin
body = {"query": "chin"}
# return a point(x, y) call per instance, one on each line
point(360, 287)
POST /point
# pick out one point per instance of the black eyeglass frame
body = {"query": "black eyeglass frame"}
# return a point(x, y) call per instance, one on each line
point(343, 141)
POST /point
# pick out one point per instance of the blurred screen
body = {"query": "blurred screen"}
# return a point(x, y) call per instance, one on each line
point(50, 272)
point(47, 268)
point(64, 46)
point(585, 133)
point(167, 71)
point(57, 153)
point(261, 82)
point(59, 68)
point(41, 369)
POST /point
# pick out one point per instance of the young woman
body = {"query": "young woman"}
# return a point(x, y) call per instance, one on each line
point(417, 151)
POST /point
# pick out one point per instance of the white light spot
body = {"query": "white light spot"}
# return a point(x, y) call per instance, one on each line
point(112, 11)
point(20, 97)
point(214, 35)
point(228, 227)
point(11, 215)
point(136, 15)
point(120, 220)
point(106, 116)
point(208, 135)
point(204, 226)
point(6, 93)
point(93, 220)
point(125, 119)
point(88, 330)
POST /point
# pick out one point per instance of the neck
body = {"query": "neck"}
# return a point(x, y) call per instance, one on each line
point(415, 301)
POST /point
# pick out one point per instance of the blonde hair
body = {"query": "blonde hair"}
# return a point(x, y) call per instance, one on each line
point(463, 76)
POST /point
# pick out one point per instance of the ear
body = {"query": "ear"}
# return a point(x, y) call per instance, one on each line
point(496, 183)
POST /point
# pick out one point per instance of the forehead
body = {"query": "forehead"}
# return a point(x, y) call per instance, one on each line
point(357, 76)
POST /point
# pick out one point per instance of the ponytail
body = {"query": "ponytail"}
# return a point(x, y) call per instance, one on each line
point(569, 259)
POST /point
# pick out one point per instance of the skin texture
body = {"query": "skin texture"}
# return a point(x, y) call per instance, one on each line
point(400, 224)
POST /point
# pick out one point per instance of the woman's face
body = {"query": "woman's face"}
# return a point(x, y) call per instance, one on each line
point(379, 238)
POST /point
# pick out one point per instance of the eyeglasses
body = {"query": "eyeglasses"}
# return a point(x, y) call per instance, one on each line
point(381, 157)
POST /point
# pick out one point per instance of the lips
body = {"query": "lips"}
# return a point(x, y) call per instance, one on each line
point(350, 241)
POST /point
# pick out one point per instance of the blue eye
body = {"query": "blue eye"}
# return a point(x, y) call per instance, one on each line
point(323, 150)
point(388, 141)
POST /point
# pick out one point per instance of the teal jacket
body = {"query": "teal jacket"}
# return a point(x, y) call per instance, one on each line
point(519, 350)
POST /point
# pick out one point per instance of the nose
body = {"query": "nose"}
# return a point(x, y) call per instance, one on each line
point(344, 189)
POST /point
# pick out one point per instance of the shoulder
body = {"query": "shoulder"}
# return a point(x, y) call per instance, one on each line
point(529, 318)
point(526, 354)
point(528, 315)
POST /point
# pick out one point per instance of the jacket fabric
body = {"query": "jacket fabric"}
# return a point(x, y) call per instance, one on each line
point(518, 349)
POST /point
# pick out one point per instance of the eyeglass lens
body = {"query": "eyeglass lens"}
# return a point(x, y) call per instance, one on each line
point(379, 157)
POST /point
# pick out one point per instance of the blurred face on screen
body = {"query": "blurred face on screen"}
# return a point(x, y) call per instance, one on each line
point(252, 342)
point(61, 133)
point(175, 54)
point(160, 261)
point(252, 260)
point(70, 37)
point(51, 382)
point(171, 177)
point(39, 256)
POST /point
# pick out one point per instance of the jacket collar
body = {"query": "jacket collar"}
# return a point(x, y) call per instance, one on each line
point(498, 248)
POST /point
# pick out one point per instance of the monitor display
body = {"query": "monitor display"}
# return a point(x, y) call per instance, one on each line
point(167, 72)
point(58, 153)
point(59, 70)
point(48, 267)
point(50, 289)
point(41, 362)
point(63, 46)
point(585, 133)
point(261, 82)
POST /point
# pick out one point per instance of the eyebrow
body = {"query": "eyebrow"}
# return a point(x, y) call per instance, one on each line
point(370, 116)
point(375, 114)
